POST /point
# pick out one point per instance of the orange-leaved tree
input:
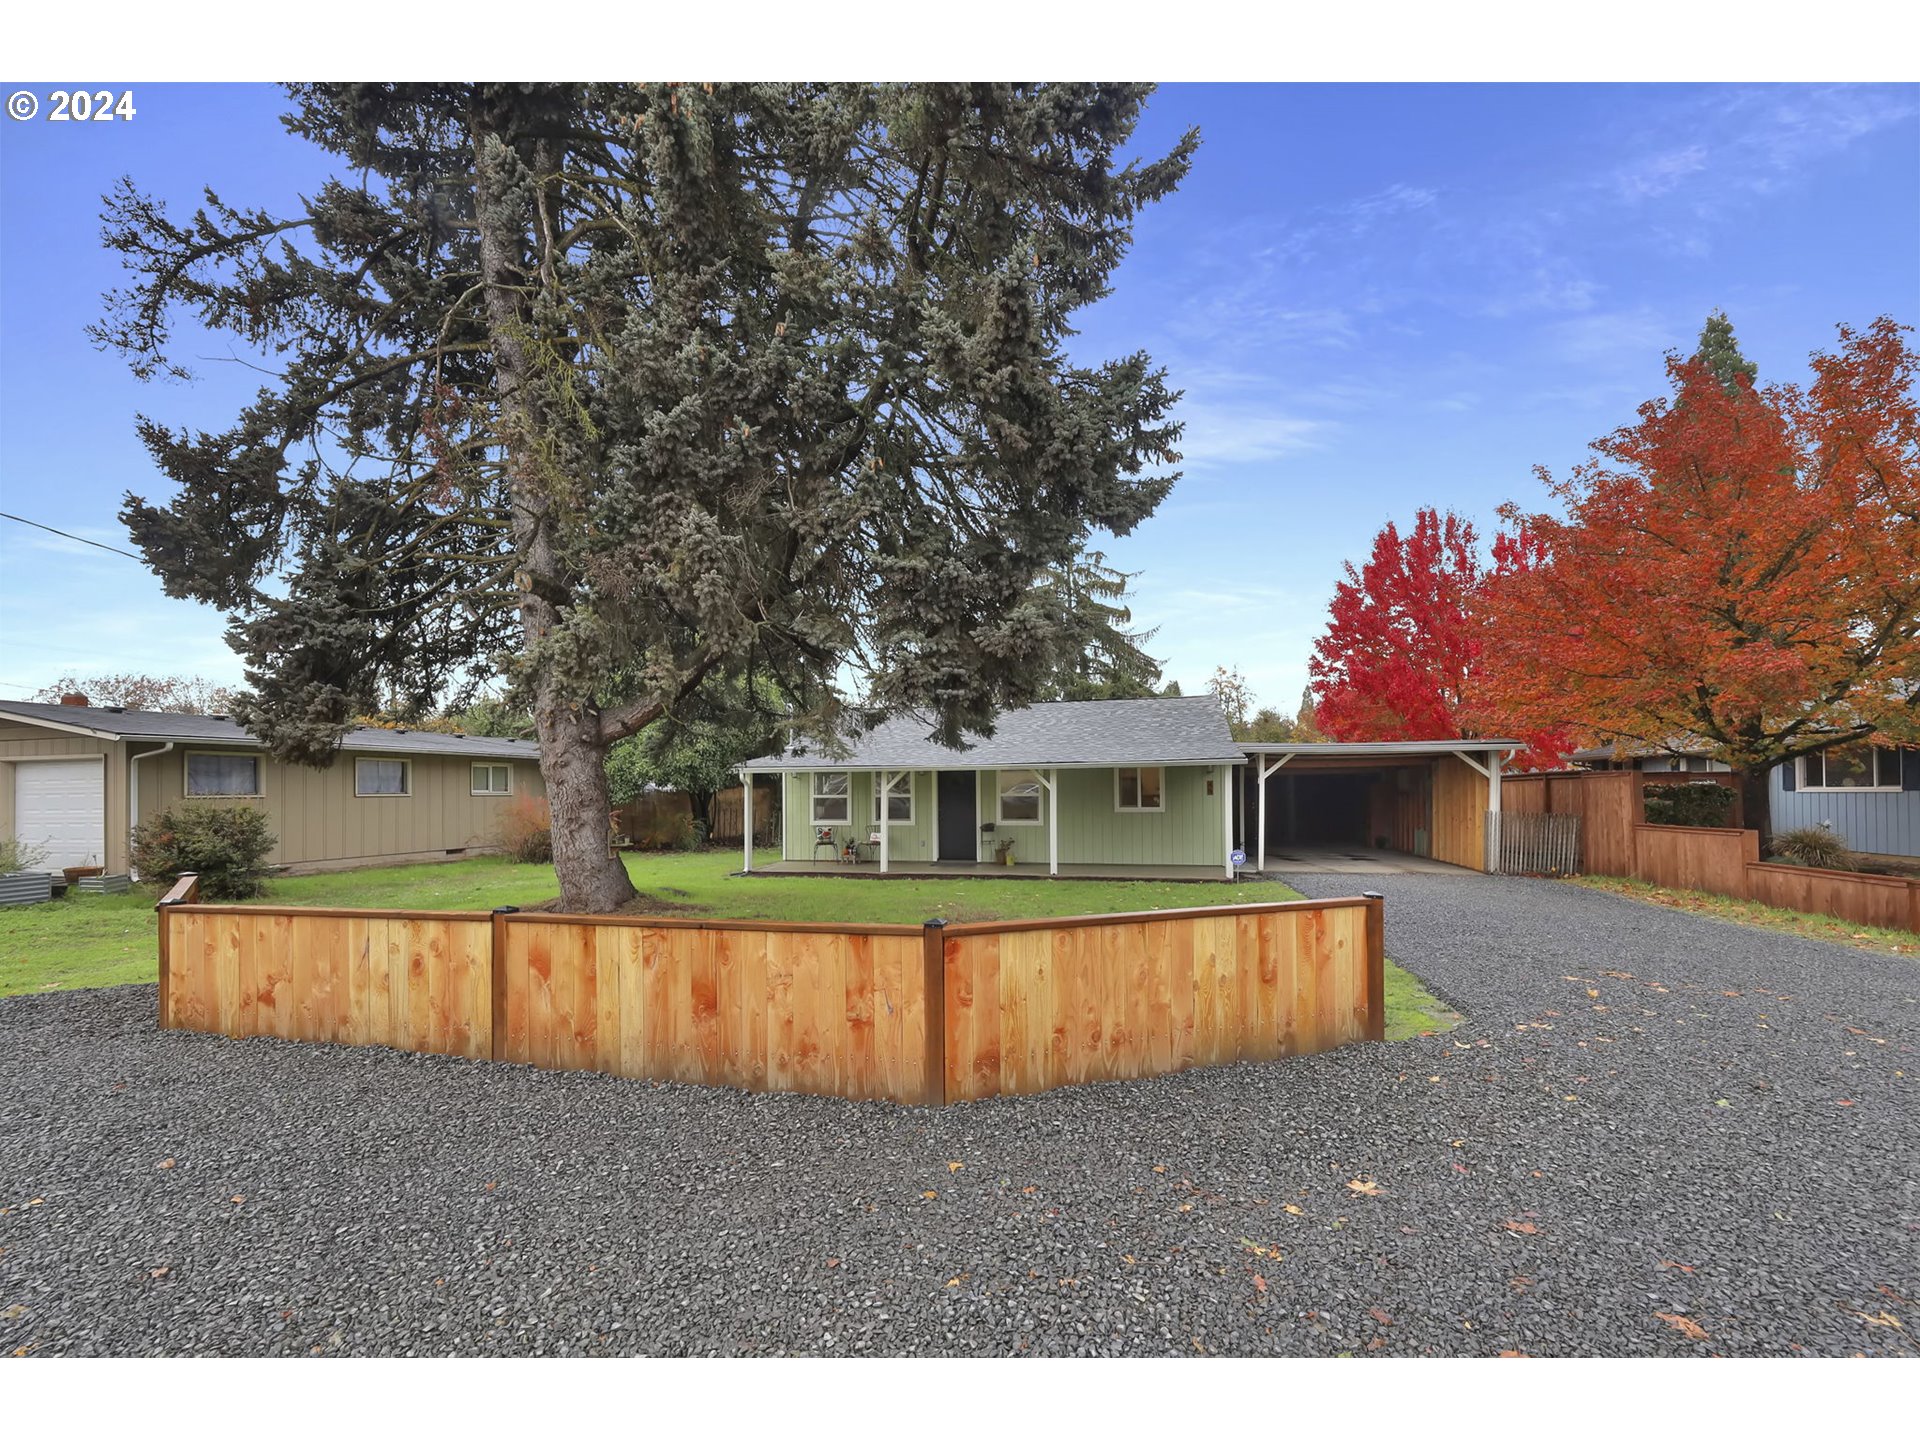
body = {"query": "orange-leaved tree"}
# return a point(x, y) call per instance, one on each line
point(1401, 655)
point(1740, 568)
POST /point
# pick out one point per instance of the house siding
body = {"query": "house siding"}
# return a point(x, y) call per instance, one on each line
point(1883, 822)
point(905, 842)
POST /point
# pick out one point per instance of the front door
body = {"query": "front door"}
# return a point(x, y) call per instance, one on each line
point(959, 815)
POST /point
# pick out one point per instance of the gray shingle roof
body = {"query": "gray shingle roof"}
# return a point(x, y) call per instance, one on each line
point(1163, 731)
point(218, 730)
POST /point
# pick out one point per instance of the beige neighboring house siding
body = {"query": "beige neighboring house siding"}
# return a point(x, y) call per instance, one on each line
point(27, 742)
point(320, 821)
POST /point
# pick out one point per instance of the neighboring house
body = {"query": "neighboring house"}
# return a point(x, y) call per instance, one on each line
point(75, 778)
point(1677, 759)
point(1074, 786)
point(1868, 794)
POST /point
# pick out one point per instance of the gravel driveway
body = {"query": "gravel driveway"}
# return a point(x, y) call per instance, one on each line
point(1655, 1134)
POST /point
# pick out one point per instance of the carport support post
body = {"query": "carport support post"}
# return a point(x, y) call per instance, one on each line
point(1493, 812)
point(1264, 770)
point(746, 821)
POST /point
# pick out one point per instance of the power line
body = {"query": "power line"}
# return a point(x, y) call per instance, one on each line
point(66, 536)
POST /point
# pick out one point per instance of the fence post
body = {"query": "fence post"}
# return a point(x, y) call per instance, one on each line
point(497, 978)
point(933, 953)
point(185, 891)
point(1376, 964)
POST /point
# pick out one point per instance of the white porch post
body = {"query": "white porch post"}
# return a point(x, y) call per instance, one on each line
point(1226, 821)
point(1053, 823)
point(746, 821)
point(886, 784)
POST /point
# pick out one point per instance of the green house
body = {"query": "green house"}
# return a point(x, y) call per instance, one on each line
point(1095, 787)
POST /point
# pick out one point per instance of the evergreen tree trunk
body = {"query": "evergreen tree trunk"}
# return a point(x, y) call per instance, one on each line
point(572, 752)
point(1756, 802)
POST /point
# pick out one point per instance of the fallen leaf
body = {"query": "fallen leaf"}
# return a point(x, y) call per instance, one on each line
point(1675, 1265)
point(166, 1164)
point(1381, 1316)
point(1461, 1168)
point(239, 1199)
point(1293, 1209)
point(1260, 1283)
point(1681, 1323)
point(1523, 1227)
point(1592, 994)
point(953, 1165)
point(13, 1312)
point(1365, 1187)
point(158, 1272)
point(833, 1264)
point(1513, 1355)
point(953, 1282)
point(1187, 1206)
point(1843, 1102)
point(929, 1194)
point(1159, 1169)
point(492, 1183)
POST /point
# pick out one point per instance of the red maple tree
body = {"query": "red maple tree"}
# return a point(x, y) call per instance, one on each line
point(1740, 568)
point(1400, 658)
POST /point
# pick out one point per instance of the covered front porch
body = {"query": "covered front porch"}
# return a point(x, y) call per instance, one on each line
point(1020, 870)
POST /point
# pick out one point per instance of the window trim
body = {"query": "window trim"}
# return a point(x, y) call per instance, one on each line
point(1877, 788)
point(259, 775)
point(899, 775)
point(1138, 770)
point(1000, 797)
point(490, 765)
point(406, 770)
point(814, 797)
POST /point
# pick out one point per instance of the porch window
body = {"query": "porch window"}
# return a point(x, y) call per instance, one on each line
point(832, 797)
point(1139, 787)
point(223, 774)
point(1851, 767)
point(1019, 797)
point(899, 799)
point(381, 777)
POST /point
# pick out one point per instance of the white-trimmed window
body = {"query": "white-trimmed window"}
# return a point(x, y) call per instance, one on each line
point(1019, 797)
point(382, 777)
point(1851, 767)
point(209, 773)
point(899, 799)
point(493, 779)
point(1140, 788)
point(832, 797)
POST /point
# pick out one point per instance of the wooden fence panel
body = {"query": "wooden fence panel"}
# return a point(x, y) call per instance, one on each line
point(1884, 900)
point(906, 1013)
point(413, 981)
point(1696, 857)
point(1069, 1002)
point(802, 1008)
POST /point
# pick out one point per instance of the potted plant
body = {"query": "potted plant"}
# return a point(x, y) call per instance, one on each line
point(1003, 851)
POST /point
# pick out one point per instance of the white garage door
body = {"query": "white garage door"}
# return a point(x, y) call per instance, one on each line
point(59, 807)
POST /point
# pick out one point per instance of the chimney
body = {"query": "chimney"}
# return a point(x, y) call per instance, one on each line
point(73, 697)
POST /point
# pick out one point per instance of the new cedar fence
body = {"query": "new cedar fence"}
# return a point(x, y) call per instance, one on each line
point(920, 1014)
point(1616, 840)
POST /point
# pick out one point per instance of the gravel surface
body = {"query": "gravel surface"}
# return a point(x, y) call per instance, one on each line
point(1655, 1134)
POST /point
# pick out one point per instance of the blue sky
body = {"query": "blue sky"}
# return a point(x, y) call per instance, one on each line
point(1374, 296)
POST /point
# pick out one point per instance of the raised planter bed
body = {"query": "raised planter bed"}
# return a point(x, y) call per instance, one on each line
point(26, 887)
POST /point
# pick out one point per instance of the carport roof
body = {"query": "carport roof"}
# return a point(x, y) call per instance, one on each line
point(1331, 748)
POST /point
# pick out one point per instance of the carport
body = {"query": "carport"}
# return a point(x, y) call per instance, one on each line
point(1426, 798)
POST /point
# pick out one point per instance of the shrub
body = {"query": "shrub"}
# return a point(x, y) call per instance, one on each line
point(1692, 804)
point(16, 856)
point(225, 845)
point(1814, 846)
point(526, 832)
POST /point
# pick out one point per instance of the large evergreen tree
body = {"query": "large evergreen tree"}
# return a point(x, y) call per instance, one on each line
point(614, 387)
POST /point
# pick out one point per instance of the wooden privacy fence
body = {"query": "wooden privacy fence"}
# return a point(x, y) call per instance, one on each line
point(1536, 844)
point(920, 1014)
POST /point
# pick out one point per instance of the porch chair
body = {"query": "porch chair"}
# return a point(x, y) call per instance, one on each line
point(824, 837)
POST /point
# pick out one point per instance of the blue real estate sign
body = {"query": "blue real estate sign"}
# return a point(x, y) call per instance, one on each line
point(1239, 858)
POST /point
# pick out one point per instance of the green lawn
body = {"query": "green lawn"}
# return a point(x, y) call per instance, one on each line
point(1766, 917)
point(109, 939)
